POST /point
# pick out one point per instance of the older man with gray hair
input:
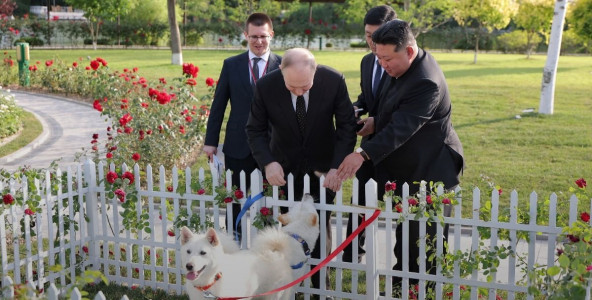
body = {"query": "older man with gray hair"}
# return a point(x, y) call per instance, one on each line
point(302, 122)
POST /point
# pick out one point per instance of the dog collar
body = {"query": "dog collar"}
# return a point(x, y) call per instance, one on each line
point(304, 247)
point(303, 242)
point(208, 286)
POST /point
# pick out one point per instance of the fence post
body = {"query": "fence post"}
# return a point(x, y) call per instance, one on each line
point(372, 278)
point(90, 178)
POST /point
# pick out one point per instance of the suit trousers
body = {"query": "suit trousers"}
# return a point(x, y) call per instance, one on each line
point(236, 165)
point(315, 193)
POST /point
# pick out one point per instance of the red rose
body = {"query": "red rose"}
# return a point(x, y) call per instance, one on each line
point(585, 217)
point(390, 186)
point(238, 194)
point(446, 201)
point(412, 201)
point(129, 176)
point(137, 271)
point(94, 65)
point(29, 212)
point(191, 81)
point(75, 64)
point(227, 199)
point(201, 191)
point(209, 81)
point(48, 63)
point(125, 119)
point(307, 31)
point(429, 199)
point(170, 188)
point(182, 129)
point(265, 211)
point(190, 70)
point(111, 176)
point(87, 68)
point(120, 195)
point(399, 208)
point(188, 119)
point(559, 252)
point(171, 233)
point(162, 80)
point(163, 98)
point(97, 105)
point(85, 249)
point(136, 156)
point(499, 191)
point(581, 183)
point(109, 155)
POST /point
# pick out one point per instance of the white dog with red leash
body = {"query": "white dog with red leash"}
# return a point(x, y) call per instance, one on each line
point(276, 258)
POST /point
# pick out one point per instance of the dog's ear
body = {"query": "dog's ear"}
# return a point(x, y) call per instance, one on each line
point(313, 219)
point(186, 235)
point(284, 219)
point(212, 237)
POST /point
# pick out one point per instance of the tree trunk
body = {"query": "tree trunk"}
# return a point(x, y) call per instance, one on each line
point(177, 56)
point(550, 69)
point(477, 35)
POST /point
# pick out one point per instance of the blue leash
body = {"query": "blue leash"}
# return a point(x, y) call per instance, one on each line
point(248, 204)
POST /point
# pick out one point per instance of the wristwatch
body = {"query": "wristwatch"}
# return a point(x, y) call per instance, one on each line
point(363, 153)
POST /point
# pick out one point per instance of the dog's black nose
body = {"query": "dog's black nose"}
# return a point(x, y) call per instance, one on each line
point(189, 267)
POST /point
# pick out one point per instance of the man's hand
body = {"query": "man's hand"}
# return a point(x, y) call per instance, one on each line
point(210, 151)
point(275, 174)
point(350, 166)
point(368, 126)
point(332, 181)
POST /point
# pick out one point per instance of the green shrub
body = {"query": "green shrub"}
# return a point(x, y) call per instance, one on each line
point(361, 44)
point(33, 41)
point(329, 45)
point(10, 115)
point(516, 41)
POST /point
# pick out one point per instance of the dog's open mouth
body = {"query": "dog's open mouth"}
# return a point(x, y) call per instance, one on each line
point(194, 274)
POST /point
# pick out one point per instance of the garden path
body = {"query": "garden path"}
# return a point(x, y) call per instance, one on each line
point(68, 126)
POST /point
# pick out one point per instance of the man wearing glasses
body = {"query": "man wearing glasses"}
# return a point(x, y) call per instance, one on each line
point(236, 83)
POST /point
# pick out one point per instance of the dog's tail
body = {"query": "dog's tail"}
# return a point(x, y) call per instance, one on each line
point(273, 242)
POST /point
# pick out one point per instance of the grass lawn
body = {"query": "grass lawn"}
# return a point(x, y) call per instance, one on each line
point(32, 128)
point(542, 153)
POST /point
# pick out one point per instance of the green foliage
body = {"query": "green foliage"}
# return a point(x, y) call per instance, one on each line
point(518, 41)
point(31, 40)
point(10, 115)
point(423, 16)
point(581, 18)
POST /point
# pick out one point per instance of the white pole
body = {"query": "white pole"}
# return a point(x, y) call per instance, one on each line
point(550, 70)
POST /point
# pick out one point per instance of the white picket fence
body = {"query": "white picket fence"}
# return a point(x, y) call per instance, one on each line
point(81, 228)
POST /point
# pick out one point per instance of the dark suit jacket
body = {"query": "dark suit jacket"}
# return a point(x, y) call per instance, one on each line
point(414, 137)
point(366, 98)
point(234, 85)
point(329, 135)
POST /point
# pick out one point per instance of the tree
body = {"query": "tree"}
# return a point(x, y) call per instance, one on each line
point(581, 18)
point(95, 11)
point(484, 15)
point(177, 56)
point(425, 15)
point(550, 70)
point(534, 16)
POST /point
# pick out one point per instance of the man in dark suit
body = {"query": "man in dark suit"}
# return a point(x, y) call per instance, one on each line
point(311, 118)
point(371, 80)
point(237, 80)
point(414, 139)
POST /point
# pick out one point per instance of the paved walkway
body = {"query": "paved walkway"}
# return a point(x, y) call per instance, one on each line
point(68, 126)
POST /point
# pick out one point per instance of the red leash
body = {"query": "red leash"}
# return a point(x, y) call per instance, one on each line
point(319, 266)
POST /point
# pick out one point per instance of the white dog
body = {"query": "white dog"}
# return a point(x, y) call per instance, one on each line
point(276, 258)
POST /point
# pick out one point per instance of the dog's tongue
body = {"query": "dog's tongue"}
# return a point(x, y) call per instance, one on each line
point(191, 276)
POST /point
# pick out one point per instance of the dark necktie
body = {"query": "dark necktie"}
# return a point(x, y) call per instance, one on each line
point(300, 112)
point(377, 76)
point(256, 68)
